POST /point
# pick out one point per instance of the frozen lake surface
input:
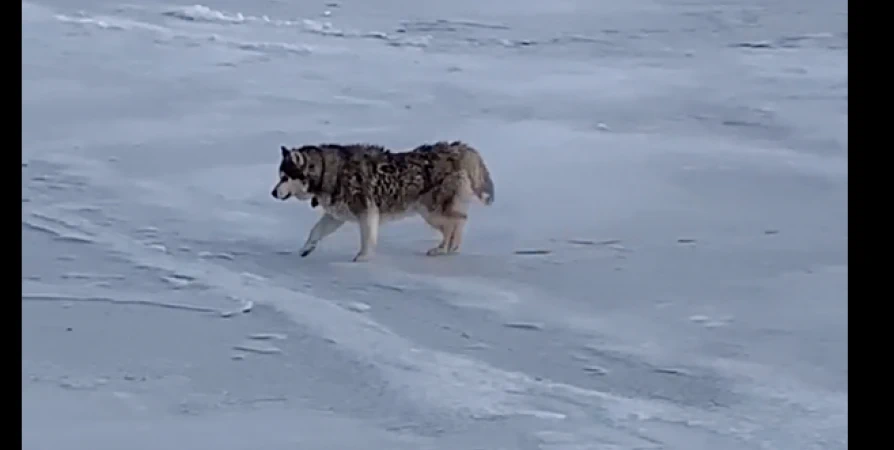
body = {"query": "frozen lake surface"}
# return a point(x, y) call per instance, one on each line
point(681, 166)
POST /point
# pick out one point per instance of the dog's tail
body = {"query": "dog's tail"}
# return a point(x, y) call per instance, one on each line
point(473, 164)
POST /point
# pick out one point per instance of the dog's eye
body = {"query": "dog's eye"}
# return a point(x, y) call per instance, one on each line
point(311, 167)
point(284, 179)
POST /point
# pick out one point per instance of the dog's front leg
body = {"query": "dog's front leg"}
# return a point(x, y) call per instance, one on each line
point(324, 227)
point(369, 233)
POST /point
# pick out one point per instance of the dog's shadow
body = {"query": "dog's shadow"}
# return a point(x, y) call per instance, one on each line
point(331, 262)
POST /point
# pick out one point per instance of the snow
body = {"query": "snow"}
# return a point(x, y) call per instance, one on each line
point(665, 266)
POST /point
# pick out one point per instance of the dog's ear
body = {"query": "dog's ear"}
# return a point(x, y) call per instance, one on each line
point(297, 158)
point(285, 151)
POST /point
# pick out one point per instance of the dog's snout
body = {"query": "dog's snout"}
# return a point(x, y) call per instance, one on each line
point(273, 193)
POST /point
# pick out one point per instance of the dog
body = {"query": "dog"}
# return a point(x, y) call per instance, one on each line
point(371, 185)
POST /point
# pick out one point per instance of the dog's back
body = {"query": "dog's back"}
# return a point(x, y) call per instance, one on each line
point(395, 182)
point(470, 162)
point(433, 176)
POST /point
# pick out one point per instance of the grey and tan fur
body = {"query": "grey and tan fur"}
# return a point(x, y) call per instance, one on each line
point(371, 185)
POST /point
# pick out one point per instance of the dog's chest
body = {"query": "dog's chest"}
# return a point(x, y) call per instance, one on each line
point(340, 211)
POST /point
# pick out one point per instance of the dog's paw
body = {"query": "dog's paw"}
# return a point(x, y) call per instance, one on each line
point(306, 250)
point(436, 251)
point(362, 257)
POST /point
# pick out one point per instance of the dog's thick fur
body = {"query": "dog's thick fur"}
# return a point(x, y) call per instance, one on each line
point(370, 185)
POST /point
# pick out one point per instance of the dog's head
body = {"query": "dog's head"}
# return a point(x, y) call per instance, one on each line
point(295, 171)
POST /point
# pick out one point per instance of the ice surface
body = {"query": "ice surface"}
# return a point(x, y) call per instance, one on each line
point(665, 267)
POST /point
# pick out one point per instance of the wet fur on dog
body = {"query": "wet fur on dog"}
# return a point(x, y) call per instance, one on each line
point(371, 185)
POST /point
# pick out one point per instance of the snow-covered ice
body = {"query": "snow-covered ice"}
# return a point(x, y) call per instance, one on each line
point(665, 266)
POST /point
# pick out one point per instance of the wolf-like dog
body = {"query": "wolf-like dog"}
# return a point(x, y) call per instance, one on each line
point(370, 185)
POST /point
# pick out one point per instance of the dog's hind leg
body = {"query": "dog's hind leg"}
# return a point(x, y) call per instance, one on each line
point(450, 223)
point(455, 239)
point(369, 233)
point(324, 227)
point(446, 246)
point(437, 222)
point(457, 213)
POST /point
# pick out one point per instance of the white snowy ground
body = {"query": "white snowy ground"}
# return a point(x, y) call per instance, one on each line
point(684, 163)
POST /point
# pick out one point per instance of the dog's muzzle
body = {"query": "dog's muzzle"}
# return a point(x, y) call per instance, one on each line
point(273, 193)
